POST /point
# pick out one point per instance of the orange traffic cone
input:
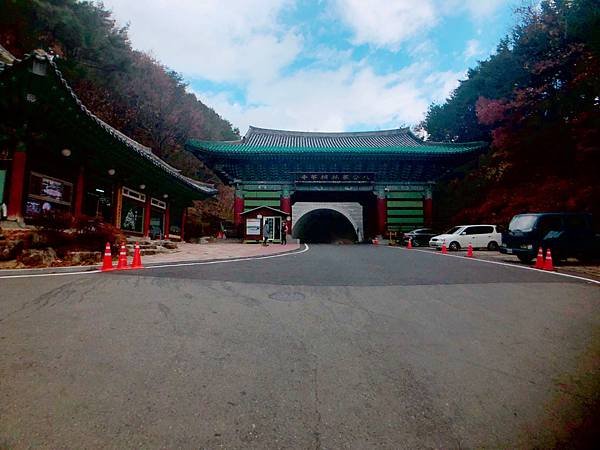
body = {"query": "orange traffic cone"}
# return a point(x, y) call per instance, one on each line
point(444, 249)
point(409, 245)
point(539, 261)
point(137, 258)
point(122, 263)
point(470, 250)
point(107, 261)
point(548, 261)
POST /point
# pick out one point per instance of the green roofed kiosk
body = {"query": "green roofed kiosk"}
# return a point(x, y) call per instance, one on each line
point(57, 156)
point(375, 181)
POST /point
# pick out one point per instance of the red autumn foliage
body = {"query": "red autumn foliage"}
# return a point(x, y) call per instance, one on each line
point(545, 131)
point(489, 111)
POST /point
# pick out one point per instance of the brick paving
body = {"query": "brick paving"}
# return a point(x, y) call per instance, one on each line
point(218, 250)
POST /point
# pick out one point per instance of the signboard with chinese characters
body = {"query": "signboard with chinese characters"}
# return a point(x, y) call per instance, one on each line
point(45, 188)
point(335, 177)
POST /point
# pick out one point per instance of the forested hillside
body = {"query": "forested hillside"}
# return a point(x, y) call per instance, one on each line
point(537, 101)
point(126, 88)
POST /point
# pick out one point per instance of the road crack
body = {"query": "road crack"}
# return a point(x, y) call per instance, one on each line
point(317, 431)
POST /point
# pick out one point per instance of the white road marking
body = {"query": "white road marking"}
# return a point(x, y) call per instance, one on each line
point(57, 274)
point(589, 280)
point(198, 263)
point(221, 261)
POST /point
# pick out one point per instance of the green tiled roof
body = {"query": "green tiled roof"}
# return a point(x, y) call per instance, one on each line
point(261, 141)
point(237, 149)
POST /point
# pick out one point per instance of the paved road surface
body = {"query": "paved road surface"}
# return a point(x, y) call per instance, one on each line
point(339, 347)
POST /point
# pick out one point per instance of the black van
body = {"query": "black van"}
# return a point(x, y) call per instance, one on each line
point(566, 234)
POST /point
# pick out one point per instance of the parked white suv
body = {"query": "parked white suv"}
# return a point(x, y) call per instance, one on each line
point(479, 236)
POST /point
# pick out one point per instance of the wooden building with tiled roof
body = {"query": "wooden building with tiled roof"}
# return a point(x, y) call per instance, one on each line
point(57, 156)
point(388, 173)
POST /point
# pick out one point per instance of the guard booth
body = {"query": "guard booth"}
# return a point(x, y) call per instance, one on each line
point(263, 216)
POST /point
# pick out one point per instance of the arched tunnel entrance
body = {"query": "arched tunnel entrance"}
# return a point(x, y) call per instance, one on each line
point(325, 226)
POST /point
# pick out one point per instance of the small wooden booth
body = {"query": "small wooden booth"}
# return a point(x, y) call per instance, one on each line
point(254, 221)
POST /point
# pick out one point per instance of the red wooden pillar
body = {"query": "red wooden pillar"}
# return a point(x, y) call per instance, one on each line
point(381, 213)
point(167, 220)
point(118, 202)
point(285, 204)
point(79, 193)
point(238, 209)
point(17, 183)
point(428, 209)
point(147, 211)
point(183, 217)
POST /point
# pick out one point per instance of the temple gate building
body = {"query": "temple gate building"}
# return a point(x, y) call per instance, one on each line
point(353, 185)
point(58, 157)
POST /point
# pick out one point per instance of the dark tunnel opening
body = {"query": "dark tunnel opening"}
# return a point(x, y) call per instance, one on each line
point(325, 226)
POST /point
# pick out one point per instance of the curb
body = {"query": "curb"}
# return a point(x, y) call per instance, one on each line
point(49, 270)
point(225, 260)
point(559, 269)
point(96, 267)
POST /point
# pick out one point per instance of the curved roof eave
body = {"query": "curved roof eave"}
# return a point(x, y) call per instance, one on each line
point(236, 150)
point(115, 134)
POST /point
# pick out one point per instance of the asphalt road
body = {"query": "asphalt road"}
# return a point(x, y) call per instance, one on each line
point(338, 347)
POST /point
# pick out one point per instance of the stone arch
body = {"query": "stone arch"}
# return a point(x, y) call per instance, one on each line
point(353, 212)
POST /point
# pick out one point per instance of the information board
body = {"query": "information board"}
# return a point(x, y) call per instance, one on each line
point(253, 227)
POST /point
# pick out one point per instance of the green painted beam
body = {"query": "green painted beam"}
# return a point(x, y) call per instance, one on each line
point(405, 212)
point(409, 195)
point(255, 203)
point(404, 204)
point(263, 187)
point(2, 181)
point(415, 220)
point(262, 194)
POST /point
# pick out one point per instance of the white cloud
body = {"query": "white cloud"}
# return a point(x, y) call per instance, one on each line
point(336, 100)
point(234, 41)
point(391, 23)
point(424, 49)
point(472, 49)
point(480, 9)
point(387, 23)
point(244, 43)
point(443, 83)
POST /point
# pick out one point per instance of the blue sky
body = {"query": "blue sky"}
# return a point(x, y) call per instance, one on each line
point(321, 65)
